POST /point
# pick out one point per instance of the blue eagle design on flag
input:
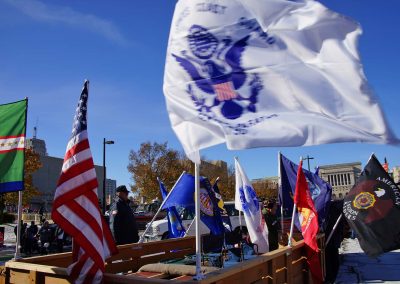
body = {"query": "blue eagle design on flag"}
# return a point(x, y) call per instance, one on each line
point(220, 62)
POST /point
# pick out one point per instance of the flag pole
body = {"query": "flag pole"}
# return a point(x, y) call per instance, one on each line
point(291, 225)
point(280, 188)
point(190, 226)
point(17, 254)
point(333, 229)
point(199, 275)
point(18, 244)
point(159, 209)
point(293, 215)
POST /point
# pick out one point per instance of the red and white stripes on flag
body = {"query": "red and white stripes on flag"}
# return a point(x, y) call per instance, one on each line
point(225, 91)
point(75, 207)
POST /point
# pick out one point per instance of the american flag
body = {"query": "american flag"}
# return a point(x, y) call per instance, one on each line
point(225, 91)
point(76, 209)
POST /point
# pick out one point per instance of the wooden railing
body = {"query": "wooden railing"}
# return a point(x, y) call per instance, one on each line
point(285, 265)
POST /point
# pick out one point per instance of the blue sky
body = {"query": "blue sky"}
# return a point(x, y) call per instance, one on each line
point(48, 48)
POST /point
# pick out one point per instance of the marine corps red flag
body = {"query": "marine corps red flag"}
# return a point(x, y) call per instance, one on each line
point(372, 209)
point(308, 219)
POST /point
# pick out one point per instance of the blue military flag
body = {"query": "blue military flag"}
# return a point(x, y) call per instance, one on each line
point(321, 191)
point(175, 227)
point(210, 212)
point(183, 195)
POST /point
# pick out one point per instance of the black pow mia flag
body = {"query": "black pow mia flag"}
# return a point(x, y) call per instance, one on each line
point(372, 209)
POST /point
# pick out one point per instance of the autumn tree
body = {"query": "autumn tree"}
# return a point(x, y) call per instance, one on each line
point(32, 164)
point(154, 160)
point(266, 189)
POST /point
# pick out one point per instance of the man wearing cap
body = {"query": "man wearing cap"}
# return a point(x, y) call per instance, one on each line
point(122, 221)
point(273, 225)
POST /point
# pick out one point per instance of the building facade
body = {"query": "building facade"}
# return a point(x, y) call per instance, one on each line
point(341, 177)
point(396, 174)
point(45, 179)
point(37, 145)
point(111, 185)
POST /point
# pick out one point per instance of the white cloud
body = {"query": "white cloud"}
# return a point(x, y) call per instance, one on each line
point(65, 15)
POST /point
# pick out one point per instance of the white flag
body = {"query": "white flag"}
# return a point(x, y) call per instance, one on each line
point(246, 201)
point(255, 73)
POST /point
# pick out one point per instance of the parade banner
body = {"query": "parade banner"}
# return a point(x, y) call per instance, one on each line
point(12, 145)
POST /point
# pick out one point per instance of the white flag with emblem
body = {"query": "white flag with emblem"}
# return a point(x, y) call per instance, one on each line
point(255, 73)
point(246, 201)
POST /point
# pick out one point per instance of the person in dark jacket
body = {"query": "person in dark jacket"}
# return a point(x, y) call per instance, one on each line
point(45, 235)
point(332, 249)
point(272, 222)
point(122, 221)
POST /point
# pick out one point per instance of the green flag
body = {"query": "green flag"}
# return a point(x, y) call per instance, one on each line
point(12, 145)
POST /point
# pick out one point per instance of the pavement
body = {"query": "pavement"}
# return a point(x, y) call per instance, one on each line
point(357, 267)
point(8, 250)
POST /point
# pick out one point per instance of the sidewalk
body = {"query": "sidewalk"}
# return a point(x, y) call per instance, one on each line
point(357, 267)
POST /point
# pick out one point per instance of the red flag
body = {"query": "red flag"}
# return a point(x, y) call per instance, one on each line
point(76, 208)
point(309, 224)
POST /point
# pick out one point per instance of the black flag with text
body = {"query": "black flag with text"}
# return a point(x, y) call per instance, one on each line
point(372, 209)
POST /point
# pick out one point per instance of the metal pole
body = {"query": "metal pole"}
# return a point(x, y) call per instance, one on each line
point(292, 225)
point(333, 229)
point(190, 226)
point(104, 175)
point(17, 254)
point(199, 275)
point(308, 162)
point(159, 209)
point(18, 244)
point(280, 188)
point(293, 213)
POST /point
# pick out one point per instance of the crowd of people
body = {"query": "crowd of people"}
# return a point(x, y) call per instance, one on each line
point(47, 238)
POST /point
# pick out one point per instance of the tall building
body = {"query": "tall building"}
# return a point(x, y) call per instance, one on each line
point(37, 145)
point(45, 178)
point(341, 177)
point(111, 185)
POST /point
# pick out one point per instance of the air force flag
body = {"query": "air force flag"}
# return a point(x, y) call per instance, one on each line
point(254, 73)
point(246, 201)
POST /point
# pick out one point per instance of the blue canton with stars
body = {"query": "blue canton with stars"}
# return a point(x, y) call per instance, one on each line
point(80, 119)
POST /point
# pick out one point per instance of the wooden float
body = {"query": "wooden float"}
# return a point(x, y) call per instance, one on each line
point(285, 265)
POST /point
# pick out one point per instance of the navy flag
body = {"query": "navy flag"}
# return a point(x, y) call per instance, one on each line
point(320, 190)
point(372, 209)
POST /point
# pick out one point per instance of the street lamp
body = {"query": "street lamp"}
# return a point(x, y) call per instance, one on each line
point(308, 158)
point(104, 172)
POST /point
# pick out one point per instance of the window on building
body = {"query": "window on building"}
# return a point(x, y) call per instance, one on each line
point(340, 196)
point(348, 176)
point(335, 183)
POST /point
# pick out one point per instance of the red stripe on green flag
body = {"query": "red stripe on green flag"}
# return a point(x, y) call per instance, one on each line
point(12, 145)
